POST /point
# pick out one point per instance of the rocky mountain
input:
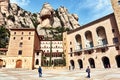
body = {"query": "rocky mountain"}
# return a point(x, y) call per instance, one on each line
point(12, 16)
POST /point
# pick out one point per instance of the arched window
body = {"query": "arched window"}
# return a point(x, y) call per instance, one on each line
point(102, 39)
point(78, 42)
point(21, 38)
point(14, 32)
point(37, 62)
point(20, 45)
point(37, 53)
point(89, 40)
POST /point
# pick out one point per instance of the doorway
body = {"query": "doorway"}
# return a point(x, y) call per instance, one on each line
point(1, 63)
point(92, 63)
point(72, 64)
point(19, 64)
point(80, 63)
point(118, 60)
point(106, 62)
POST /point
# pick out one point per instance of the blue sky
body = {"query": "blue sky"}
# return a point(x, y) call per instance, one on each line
point(87, 10)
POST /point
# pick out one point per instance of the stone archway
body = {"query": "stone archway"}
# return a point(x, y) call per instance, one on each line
point(19, 64)
point(118, 60)
point(1, 63)
point(92, 63)
point(106, 62)
point(72, 64)
point(80, 63)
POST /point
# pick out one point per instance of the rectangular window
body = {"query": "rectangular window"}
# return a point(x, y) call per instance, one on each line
point(118, 2)
point(70, 54)
point(70, 49)
point(91, 44)
point(20, 52)
point(37, 53)
point(113, 30)
point(70, 43)
point(115, 40)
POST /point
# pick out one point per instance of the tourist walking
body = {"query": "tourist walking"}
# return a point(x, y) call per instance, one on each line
point(40, 71)
point(88, 71)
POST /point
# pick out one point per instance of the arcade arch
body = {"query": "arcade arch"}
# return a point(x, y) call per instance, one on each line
point(80, 63)
point(106, 62)
point(91, 62)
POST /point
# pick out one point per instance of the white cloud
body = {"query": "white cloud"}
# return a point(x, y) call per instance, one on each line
point(94, 9)
point(21, 2)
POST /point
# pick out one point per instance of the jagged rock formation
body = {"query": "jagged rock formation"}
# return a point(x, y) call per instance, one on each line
point(11, 15)
point(56, 18)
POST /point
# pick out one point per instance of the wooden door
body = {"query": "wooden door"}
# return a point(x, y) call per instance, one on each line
point(1, 63)
point(19, 64)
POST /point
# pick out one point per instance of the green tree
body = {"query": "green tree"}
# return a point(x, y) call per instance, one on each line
point(4, 36)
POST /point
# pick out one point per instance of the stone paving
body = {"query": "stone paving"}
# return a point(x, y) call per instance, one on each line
point(96, 74)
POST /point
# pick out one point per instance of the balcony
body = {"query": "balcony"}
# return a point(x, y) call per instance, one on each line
point(78, 50)
point(102, 43)
point(89, 46)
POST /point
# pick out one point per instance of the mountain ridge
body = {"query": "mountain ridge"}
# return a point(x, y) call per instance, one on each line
point(13, 16)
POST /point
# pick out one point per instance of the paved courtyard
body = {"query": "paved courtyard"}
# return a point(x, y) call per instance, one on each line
point(20, 74)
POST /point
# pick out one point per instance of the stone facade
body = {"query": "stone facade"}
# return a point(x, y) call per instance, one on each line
point(22, 47)
point(26, 49)
point(95, 44)
point(45, 46)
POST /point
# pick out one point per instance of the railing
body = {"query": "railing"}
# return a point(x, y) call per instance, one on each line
point(95, 47)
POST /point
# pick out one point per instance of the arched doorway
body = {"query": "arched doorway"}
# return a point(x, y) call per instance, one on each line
point(80, 63)
point(106, 62)
point(37, 62)
point(1, 63)
point(19, 64)
point(118, 60)
point(72, 64)
point(92, 63)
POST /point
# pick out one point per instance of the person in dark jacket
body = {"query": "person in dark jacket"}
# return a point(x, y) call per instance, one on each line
point(40, 71)
point(88, 71)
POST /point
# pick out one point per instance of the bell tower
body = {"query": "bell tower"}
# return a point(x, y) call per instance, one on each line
point(116, 8)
